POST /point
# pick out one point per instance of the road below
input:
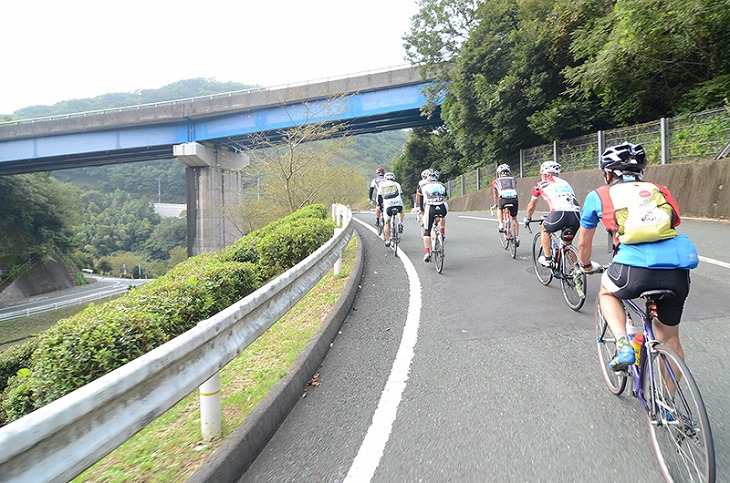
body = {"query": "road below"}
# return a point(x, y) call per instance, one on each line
point(503, 382)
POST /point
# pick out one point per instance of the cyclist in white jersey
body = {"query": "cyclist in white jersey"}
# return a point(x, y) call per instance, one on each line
point(390, 197)
point(419, 194)
point(432, 204)
point(379, 177)
point(562, 204)
point(504, 190)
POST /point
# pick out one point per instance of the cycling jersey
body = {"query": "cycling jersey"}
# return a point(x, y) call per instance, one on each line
point(676, 252)
point(557, 193)
point(374, 185)
point(505, 186)
point(390, 196)
point(434, 193)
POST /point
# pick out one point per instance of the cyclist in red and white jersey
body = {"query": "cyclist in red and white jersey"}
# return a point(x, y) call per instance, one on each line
point(562, 204)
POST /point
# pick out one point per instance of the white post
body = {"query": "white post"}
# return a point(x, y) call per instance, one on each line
point(210, 408)
point(338, 218)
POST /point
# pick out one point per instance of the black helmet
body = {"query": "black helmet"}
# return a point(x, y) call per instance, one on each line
point(626, 157)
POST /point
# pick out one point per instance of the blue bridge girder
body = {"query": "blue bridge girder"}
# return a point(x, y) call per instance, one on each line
point(367, 104)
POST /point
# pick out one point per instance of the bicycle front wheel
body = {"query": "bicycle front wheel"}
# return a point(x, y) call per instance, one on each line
point(606, 346)
point(438, 253)
point(503, 236)
point(573, 281)
point(678, 422)
point(544, 274)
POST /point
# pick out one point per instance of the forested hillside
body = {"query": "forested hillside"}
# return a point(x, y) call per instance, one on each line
point(521, 73)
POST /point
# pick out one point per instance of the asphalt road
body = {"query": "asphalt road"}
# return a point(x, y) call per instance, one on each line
point(499, 379)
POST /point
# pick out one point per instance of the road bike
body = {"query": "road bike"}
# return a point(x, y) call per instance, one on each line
point(379, 224)
point(506, 236)
point(675, 413)
point(564, 266)
point(394, 232)
point(437, 245)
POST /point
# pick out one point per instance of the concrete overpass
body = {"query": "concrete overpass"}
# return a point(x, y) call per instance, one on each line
point(209, 133)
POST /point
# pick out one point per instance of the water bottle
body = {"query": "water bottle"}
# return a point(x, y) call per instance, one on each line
point(636, 336)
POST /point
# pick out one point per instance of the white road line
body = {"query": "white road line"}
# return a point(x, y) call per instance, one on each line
point(373, 445)
point(714, 262)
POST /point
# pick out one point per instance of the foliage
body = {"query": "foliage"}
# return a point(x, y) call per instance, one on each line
point(166, 235)
point(37, 214)
point(92, 343)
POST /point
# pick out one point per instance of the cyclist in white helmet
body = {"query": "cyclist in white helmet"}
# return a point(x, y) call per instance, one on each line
point(419, 194)
point(504, 189)
point(390, 197)
point(433, 204)
point(562, 204)
point(379, 177)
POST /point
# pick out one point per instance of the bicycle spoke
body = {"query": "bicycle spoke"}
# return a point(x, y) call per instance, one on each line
point(678, 423)
point(573, 296)
point(606, 346)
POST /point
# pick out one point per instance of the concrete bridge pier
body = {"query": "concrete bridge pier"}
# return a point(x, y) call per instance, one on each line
point(214, 186)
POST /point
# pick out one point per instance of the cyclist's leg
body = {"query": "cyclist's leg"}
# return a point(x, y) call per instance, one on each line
point(669, 310)
point(386, 228)
point(427, 225)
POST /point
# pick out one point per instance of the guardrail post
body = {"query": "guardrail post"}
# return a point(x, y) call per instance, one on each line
point(479, 179)
point(338, 218)
point(522, 163)
point(601, 145)
point(462, 185)
point(556, 151)
point(210, 408)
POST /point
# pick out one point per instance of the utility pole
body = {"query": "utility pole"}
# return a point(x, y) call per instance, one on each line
point(159, 189)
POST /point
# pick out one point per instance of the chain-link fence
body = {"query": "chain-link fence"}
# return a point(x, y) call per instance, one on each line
point(699, 135)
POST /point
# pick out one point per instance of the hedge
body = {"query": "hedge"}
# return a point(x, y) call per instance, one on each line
point(94, 342)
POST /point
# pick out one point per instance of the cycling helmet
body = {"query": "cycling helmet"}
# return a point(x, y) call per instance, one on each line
point(433, 175)
point(389, 176)
point(503, 169)
point(380, 172)
point(550, 168)
point(626, 157)
point(425, 173)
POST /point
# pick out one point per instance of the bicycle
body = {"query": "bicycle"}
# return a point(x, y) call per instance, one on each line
point(379, 224)
point(506, 237)
point(394, 233)
point(675, 413)
point(437, 245)
point(564, 266)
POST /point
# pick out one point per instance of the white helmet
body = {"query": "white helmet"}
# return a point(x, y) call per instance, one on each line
point(433, 175)
point(503, 168)
point(550, 168)
point(389, 177)
point(425, 173)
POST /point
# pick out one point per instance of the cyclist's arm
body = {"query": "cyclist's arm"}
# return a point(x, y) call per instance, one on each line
point(370, 193)
point(531, 207)
point(585, 245)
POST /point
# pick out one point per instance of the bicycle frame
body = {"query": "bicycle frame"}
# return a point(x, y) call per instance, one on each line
point(645, 362)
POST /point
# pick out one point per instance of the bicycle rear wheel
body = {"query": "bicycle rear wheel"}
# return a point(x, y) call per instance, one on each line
point(606, 346)
point(438, 253)
point(678, 422)
point(544, 274)
point(395, 236)
point(573, 280)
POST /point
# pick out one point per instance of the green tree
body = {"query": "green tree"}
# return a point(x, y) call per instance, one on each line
point(166, 235)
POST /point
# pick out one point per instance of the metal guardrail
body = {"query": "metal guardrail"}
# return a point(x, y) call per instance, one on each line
point(67, 303)
point(59, 441)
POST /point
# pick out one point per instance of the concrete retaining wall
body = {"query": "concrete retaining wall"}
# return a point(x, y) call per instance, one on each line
point(701, 188)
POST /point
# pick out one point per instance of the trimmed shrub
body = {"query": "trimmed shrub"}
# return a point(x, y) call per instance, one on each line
point(15, 358)
point(292, 243)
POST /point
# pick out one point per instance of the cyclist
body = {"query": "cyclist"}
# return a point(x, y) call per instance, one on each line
point(379, 177)
point(432, 204)
point(505, 192)
point(419, 195)
point(561, 201)
point(648, 255)
point(390, 197)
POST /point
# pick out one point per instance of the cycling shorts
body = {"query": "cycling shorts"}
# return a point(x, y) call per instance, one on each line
point(627, 282)
point(509, 201)
point(558, 220)
point(431, 212)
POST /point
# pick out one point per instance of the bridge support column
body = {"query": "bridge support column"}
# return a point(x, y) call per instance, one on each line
point(214, 186)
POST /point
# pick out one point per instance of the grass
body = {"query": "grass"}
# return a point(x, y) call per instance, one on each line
point(17, 331)
point(170, 448)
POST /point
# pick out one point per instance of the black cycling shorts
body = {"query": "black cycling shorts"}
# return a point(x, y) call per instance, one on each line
point(629, 282)
point(509, 201)
point(431, 212)
point(558, 220)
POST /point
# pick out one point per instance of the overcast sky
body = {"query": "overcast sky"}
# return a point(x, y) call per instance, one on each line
point(56, 50)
